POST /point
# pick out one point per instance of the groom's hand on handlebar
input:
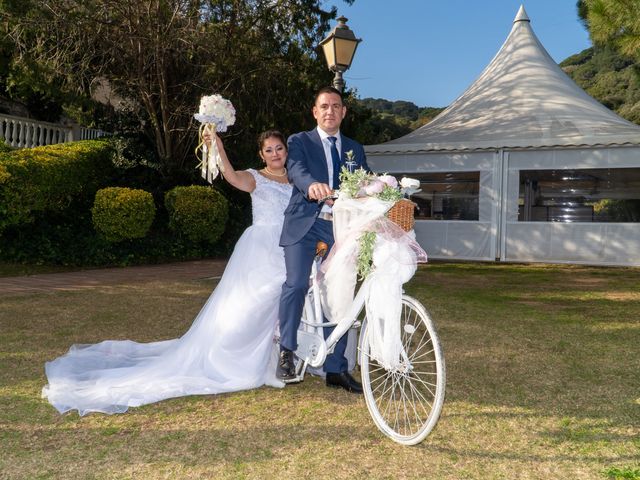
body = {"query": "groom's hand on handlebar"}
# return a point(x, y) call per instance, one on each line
point(319, 192)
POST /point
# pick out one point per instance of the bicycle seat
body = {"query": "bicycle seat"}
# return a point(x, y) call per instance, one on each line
point(321, 249)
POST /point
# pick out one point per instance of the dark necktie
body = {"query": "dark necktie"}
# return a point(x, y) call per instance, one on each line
point(335, 159)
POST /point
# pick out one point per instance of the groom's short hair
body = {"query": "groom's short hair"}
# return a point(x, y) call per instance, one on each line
point(327, 89)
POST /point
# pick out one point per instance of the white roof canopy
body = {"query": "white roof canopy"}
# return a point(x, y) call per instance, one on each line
point(522, 99)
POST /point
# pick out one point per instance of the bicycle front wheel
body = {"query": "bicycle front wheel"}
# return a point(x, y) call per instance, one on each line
point(405, 403)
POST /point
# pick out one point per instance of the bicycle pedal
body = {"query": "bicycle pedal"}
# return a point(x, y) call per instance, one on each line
point(293, 380)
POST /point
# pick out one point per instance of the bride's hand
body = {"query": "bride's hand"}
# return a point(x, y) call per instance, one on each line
point(209, 135)
point(206, 137)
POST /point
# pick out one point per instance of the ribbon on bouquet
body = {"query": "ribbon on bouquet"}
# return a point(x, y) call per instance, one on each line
point(211, 161)
point(395, 257)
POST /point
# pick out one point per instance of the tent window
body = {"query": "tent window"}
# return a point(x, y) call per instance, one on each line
point(584, 195)
point(447, 195)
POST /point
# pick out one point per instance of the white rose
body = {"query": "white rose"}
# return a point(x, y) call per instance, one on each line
point(218, 110)
point(409, 183)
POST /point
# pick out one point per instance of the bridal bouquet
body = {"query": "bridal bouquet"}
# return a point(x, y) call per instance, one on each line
point(215, 114)
point(362, 184)
point(217, 111)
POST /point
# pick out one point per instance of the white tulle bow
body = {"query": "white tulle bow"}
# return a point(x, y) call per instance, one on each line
point(395, 257)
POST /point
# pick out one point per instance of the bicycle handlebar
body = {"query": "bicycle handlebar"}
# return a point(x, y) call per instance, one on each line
point(332, 196)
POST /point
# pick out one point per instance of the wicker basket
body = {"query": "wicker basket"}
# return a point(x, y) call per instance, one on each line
point(402, 214)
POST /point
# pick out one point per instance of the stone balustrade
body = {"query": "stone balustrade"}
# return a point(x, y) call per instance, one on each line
point(25, 132)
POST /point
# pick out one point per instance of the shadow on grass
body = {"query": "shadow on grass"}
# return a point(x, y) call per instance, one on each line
point(138, 441)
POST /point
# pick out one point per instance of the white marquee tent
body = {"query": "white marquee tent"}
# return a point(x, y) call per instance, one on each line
point(523, 166)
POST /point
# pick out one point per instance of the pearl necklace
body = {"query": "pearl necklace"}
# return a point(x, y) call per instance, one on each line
point(266, 169)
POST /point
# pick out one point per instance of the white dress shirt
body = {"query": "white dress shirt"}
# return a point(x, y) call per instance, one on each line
point(326, 144)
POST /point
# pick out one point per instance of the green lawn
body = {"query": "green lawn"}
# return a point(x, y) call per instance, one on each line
point(543, 383)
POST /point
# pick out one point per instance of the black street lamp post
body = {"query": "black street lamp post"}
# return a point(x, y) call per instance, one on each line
point(339, 48)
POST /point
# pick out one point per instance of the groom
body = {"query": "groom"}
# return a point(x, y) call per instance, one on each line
point(314, 163)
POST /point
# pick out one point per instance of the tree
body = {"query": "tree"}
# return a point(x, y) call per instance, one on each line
point(610, 70)
point(19, 81)
point(160, 56)
point(613, 22)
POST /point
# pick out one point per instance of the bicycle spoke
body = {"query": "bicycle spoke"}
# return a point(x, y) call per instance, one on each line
point(390, 400)
point(428, 386)
point(377, 369)
point(414, 357)
point(414, 401)
point(383, 387)
point(421, 344)
point(406, 408)
point(418, 399)
point(424, 361)
point(383, 395)
point(424, 400)
point(423, 382)
point(397, 394)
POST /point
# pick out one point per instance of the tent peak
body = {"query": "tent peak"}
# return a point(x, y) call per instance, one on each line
point(521, 16)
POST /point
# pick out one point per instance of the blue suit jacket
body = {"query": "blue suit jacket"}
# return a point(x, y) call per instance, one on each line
point(307, 164)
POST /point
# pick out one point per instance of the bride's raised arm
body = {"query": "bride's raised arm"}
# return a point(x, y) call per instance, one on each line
point(240, 179)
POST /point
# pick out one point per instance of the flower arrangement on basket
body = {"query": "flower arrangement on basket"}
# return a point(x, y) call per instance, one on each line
point(214, 114)
point(360, 184)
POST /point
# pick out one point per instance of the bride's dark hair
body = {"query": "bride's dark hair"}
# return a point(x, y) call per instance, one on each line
point(270, 134)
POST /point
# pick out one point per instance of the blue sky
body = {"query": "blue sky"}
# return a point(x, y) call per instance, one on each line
point(430, 51)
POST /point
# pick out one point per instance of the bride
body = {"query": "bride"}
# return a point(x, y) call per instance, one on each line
point(228, 347)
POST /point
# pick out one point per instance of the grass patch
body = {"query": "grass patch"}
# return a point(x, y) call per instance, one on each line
point(542, 383)
point(625, 473)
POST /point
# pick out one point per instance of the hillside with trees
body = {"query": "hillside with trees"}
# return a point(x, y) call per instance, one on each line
point(403, 112)
point(610, 70)
point(377, 120)
point(609, 77)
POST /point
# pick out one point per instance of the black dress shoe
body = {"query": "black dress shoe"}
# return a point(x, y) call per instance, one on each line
point(344, 380)
point(286, 367)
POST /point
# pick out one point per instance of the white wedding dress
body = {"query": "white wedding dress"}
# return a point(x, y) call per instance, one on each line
point(229, 347)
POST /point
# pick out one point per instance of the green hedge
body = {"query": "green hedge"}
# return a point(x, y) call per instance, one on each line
point(47, 194)
point(50, 178)
point(123, 213)
point(197, 213)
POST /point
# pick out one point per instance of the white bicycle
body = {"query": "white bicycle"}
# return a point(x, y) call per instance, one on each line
point(405, 403)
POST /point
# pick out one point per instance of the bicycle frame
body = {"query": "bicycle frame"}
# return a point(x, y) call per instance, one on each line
point(312, 346)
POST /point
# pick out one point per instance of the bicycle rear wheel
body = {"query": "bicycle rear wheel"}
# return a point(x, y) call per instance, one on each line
point(405, 403)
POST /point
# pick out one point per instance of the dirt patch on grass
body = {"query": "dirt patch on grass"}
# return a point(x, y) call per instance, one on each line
point(622, 296)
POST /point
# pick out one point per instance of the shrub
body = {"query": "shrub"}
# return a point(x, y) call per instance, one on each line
point(49, 179)
point(123, 213)
point(4, 174)
point(197, 213)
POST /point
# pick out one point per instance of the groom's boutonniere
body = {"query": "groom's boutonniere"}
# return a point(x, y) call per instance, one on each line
point(350, 163)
